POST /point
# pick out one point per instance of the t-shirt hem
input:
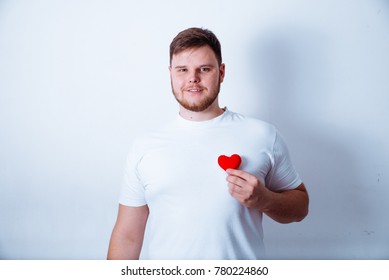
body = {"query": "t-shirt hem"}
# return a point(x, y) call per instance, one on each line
point(132, 203)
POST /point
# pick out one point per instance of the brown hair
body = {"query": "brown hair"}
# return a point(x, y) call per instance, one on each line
point(194, 38)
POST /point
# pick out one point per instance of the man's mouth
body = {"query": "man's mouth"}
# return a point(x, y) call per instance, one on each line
point(194, 90)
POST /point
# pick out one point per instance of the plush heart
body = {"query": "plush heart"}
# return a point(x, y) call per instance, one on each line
point(232, 162)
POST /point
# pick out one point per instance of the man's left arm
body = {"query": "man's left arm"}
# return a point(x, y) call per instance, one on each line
point(284, 207)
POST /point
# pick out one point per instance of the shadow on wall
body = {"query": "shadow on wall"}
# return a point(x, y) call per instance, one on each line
point(295, 74)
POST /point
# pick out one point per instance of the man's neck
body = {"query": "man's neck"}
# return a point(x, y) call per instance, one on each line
point(205, 115)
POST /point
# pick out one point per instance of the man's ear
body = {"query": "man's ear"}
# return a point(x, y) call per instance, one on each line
point(222, 72)
point(170, 71)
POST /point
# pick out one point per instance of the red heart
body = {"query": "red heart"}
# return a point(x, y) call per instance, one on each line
point(226, 162)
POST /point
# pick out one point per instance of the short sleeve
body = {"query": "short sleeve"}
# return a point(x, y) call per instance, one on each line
point(132, 190)
point(283, 175)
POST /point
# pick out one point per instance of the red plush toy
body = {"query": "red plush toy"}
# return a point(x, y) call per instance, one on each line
point(232, 162)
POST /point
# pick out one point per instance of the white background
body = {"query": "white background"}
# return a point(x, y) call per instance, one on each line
point(80, 79)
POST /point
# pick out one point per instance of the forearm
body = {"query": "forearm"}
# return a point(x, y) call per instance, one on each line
point(286, 207)
point(127, 235)
point(123, 248)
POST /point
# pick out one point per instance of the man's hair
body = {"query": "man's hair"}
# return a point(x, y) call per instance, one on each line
point(194, 38)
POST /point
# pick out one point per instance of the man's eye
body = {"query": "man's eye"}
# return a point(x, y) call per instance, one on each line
point(182, 70)
point(204, 69)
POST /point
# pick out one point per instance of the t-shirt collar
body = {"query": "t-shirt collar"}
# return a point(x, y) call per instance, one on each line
point(206, 123)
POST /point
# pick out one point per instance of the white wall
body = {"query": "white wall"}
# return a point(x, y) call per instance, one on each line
point(80, 79)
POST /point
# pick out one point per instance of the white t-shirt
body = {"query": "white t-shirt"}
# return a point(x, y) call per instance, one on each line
point(192, 215)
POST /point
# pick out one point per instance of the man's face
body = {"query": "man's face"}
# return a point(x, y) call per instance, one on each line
point(196, 78)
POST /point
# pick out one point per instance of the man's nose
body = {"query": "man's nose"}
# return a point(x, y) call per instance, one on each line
point(194, 77)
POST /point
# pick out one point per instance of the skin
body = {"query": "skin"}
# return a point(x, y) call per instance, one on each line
point(196, 77)
point(127, 235)
point(284, 207)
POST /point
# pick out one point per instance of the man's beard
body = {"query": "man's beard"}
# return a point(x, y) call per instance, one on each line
point(203, 104)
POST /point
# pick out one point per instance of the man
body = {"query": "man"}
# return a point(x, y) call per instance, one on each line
point(176, 201)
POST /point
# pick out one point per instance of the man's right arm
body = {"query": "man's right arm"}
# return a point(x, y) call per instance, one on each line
point(127, 235)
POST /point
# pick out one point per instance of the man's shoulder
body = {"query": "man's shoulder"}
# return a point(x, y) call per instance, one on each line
point(154, 135)
point(251, 123)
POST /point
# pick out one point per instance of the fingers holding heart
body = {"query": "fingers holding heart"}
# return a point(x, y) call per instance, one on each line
point(243, 186)
point(242, 189)
point(236, 184)
point(244, 177)
point(247, 189)
point(239, 192)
